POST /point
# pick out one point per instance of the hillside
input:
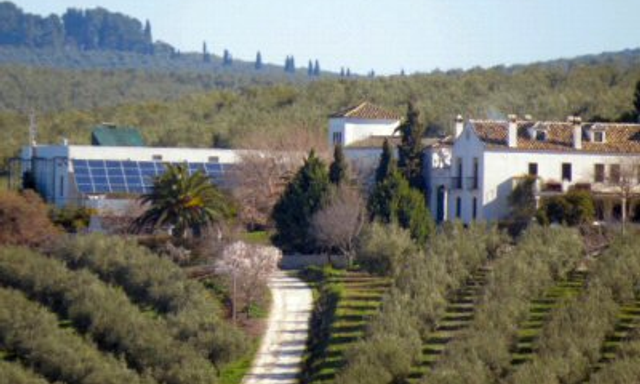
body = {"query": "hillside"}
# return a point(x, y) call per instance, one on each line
point(246, 115)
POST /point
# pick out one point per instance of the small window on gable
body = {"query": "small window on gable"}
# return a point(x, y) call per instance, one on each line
point(156, 157)
point(598, 137)
point(540, 135)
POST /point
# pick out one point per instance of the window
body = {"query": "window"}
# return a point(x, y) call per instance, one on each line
point(458, 207)
point(566, 171)
point(533, 169)
point(614, 173)
point(61, 186)
point(598, 173)
point(214, 159)
point(458, 177)
point(598, 137)
point(476, 173)
point(540, 135)
point(337, 138)
point(156, 157)
point(474, 208)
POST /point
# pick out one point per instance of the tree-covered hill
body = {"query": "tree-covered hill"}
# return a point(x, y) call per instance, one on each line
point(236, 117)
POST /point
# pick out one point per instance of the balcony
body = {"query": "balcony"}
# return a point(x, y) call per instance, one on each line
point(456, 182)
point(472, 183)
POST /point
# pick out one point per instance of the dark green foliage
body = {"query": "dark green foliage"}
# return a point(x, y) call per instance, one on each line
point(522, 200)
point(384, 249)
point(386, 164)
point(303, 197)
point(182, 201)
point(290, 65)
point(310, 68)
point(410, 150)
point(32, 333)
point(338, 170)
point(192, 315)
point(393, 200)
point(316, 68)
point(14, 373)
point(106, 314)
point(573, 208)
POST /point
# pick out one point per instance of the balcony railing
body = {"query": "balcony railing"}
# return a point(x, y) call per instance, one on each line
point(472, 183)
point(456, 182)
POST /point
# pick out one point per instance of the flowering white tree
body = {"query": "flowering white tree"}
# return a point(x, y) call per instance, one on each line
point(249, 267)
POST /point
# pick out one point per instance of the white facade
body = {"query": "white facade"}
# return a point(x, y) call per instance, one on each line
point(484, 170)
point(52, 166)
point(347, 130)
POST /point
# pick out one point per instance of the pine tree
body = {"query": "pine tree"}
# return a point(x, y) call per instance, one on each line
point(339, 167)
point(206, 57)
point(316, 68)
point(387, 162)
point(310, 69)
point(302, 198)
point(410, 149)
point(636, 100)
point(258, 65)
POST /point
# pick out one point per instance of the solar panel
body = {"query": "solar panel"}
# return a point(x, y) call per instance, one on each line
point(137, 177)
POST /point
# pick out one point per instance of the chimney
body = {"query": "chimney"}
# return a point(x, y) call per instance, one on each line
point(512, 134)
point(459, 127)
point(576, 123)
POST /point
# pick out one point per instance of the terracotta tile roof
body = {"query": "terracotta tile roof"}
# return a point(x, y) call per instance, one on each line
point(620, 138)
point(375, 142)
point(368, 111)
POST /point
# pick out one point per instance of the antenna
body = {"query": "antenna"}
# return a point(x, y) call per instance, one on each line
point(33, 128)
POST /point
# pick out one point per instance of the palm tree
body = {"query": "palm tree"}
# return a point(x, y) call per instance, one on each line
point(182, 201)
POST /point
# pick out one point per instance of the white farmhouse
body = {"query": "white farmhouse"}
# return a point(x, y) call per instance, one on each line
point(489, 157)
point(361, 122)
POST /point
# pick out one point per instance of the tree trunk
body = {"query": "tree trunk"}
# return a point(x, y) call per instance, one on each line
point(624, 214)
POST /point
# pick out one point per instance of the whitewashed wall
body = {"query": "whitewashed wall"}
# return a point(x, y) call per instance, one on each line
point(358, 129)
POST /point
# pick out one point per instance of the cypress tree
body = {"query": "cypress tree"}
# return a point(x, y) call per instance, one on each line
point(148, 38)
point(206, 57)
point(342, 73)
point(386, 164)
point(258, 64)
point(339, 167)
point(310, 69)
point(636, 100)
point(411, 148)
point(316, 68)
point(302, 198)
point(227, 59)
point(348, 72)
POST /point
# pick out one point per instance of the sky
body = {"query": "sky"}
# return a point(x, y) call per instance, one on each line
point(386, 36)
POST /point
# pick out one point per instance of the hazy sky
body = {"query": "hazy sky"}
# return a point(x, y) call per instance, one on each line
point(384, 35)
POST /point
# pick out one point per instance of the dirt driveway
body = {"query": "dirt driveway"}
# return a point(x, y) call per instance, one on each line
point(280, 354)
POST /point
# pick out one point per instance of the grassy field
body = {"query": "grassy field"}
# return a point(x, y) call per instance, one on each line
point(358, 298)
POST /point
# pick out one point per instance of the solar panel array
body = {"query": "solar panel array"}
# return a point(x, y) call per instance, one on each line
point(136, 177)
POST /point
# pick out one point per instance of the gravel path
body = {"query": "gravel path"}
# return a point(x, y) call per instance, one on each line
point(280, 354)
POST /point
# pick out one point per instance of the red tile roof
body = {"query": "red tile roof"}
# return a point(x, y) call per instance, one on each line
point(367, 111)
point(620, 138)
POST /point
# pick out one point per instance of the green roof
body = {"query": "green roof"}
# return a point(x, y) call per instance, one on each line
point(112, 136)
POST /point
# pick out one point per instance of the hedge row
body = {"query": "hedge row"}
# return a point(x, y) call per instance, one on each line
point(423, 281)
point(542, 257)
point(31, 332)
point(105, 313)
point(191, 313)
point(571, 342)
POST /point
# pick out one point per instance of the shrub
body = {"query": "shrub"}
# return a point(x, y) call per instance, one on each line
point(383, 249)
point(31, 332)
point(71, 219)
point(105, 313)
point(14, 373)
point(24, 220)
point(573, 208)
